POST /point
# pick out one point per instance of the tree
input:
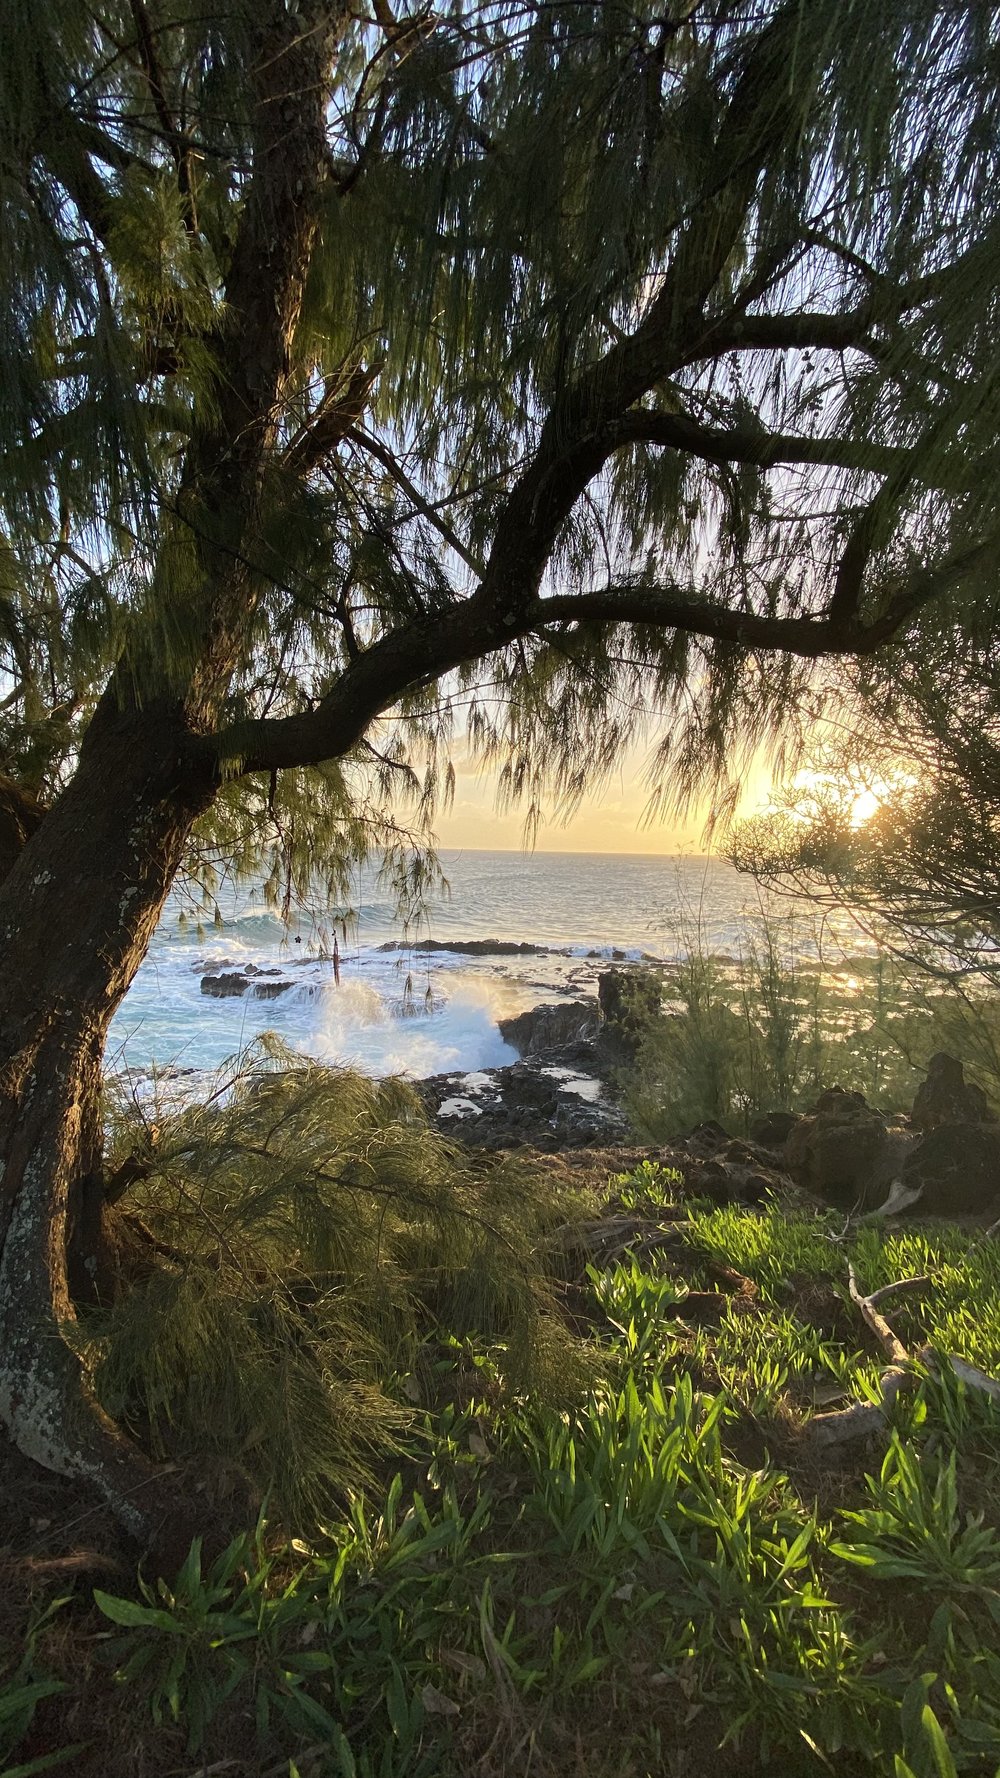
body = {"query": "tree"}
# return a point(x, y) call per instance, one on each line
point(898, 819)
point(551, 367)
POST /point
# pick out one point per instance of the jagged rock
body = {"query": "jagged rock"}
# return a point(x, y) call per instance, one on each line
point(843, 1150)
point(946, 1097)
point(706, 1138)
point(773, 1128)
point(840, 1100)
point(225, 986)
point(741, 1154)
point(957, 1167)
point(618, 956)
point(526, 1087)
point(545, 1102)
point(230, 984)
point(551, 1027)
point(473, 947)
point(725, 1184)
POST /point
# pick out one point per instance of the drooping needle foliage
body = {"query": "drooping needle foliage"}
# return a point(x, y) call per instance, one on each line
point(684, 315)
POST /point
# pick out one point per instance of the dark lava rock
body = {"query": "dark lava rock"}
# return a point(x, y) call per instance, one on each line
point(740, 1152)
point(230, 984)
point(525, 1087)
point(472, 947)
point(225, 986)
point(957, 1167)
point(773, 1128)
point(706, 1138)
point(946, 1097)
point(729, 1182)
point(843, 1150)
point(532, 1103)
point(551, 1027)
point(840, 1100)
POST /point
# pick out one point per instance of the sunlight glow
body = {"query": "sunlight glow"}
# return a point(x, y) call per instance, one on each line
point(864, 806)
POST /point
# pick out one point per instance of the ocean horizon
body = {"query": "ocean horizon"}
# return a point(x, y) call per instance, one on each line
point(391, 1005)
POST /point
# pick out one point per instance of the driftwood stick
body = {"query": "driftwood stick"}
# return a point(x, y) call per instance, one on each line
point(974, 1378)
point(866, 1417)
point(898, 1284)
point(891, 1345)
point(861, 1419)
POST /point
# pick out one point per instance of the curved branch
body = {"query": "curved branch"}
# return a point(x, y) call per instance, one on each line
point(718, 444)
point(423, 650)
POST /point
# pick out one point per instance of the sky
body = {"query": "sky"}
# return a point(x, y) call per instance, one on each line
point(609, 820)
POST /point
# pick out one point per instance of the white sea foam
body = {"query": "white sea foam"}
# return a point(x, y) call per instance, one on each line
point(459, 1107)
point(415, 1012)
point(583, 1085)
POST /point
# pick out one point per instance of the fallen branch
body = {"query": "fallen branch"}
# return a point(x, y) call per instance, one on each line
point(866, 1417)
point(868, 1305)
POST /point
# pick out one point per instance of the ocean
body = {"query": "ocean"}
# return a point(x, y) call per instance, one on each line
point(407, 1010)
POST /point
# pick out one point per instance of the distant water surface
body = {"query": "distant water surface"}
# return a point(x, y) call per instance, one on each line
point(416, 1012)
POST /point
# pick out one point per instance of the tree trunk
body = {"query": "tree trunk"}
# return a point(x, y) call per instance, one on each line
point(82, 900)
point(76, 915)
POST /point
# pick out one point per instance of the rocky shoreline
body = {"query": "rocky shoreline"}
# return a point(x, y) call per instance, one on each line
point(563, 1090)
point(939, 1158)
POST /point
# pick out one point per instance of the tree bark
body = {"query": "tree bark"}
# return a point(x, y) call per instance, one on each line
point(82, 900)
point(76, 915)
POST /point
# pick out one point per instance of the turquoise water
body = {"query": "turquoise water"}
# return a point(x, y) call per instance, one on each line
point(404, 1010)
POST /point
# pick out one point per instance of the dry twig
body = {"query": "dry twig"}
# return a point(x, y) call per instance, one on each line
point(865, 1417)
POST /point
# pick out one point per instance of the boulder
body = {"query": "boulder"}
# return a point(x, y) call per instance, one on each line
point(706, 1138)
point(946, 1097)
point(551, 1027)
point(956, 1167)
point(843, 1150)
point(773, 1128)
point(726, 1182)
point(225, 986)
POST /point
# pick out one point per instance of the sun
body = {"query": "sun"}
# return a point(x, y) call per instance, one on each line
point(853, 797)
point(866, 804)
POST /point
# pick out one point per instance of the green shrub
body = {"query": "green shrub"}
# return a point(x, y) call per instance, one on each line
point(768, 1029)
point(310, 1233)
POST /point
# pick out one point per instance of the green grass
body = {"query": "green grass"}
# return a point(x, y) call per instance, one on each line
point(622, 1585)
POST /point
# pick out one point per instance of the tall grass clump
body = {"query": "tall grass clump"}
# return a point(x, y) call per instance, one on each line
point(772, 1025)
point(302, 1237)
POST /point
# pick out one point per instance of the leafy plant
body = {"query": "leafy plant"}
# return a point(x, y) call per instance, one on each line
point(20, 1695)
point(317, 1232)
point(649, 1186)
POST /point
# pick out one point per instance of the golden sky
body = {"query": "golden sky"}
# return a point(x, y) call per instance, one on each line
point(609, 820)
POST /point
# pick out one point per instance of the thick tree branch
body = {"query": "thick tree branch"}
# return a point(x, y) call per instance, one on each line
point(338, 411)
point(717, 444)
point(823, 329)
point(766, 102)
point(420, 651)
point(810, 330)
